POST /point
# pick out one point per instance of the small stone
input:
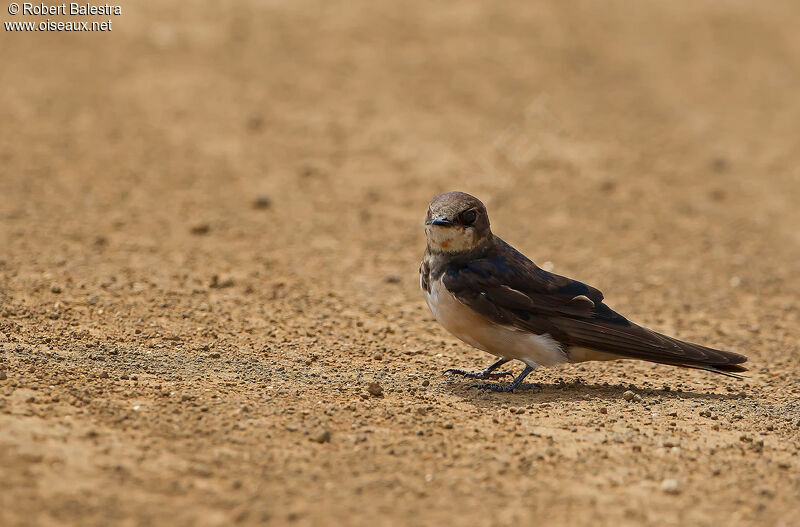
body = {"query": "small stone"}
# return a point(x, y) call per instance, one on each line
point(103, 374)
point(375, 389)
point(92, 299)
point(628, 395)
point(377, 356)
point(213, 355)
point(426, 382)
point(323, 435)
point(3, 376)
point(262, 203)
point(603, 410)
point(670, 486)
point(608, 185)
point(221, 283)
point(200, 229)
point(637, 398)
point(55, 288)
point(393, 279)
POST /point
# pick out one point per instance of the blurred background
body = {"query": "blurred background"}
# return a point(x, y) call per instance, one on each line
point(217, 198)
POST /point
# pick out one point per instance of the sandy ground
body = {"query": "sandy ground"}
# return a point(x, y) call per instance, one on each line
point(210, 227)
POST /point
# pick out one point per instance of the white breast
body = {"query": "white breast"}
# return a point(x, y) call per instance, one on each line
point(478, 331)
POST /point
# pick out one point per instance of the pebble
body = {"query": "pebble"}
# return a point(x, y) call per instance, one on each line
point(55, 288)
point(766, 491)
point(262, 203)
point(603, 410)
point(628, 395)
point(213, 355)
point(426, 382)
point(323, 435)
point(670, 486)
point(200, 229)
point(3, 376)
point(221, 283)
point(375, 389)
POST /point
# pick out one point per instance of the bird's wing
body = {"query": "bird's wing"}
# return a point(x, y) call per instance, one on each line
point(510, 290)
point(512, 293)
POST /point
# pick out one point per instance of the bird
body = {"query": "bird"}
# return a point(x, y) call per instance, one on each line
point(494, 298)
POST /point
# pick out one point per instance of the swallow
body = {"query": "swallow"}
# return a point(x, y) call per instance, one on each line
point(492, 297)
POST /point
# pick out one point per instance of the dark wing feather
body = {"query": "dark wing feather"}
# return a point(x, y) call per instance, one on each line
point(509, 289)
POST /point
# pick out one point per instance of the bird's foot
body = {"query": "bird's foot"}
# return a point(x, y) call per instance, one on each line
point(485, 374)
point(506, 387)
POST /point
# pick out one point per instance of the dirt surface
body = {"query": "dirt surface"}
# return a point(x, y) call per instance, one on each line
point(210, 227)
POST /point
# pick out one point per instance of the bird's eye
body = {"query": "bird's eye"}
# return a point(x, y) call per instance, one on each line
point(468, 217)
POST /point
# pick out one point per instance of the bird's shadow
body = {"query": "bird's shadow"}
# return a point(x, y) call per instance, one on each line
point(539, 393)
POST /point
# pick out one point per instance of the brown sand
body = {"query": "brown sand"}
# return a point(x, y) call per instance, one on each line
point(210, 223)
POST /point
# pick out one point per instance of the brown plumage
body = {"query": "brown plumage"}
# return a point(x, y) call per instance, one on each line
point(509, 291)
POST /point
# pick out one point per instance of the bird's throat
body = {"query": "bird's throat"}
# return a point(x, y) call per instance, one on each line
point(452, 239)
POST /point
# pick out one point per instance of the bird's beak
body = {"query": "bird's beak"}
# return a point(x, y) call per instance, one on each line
point(442, 222)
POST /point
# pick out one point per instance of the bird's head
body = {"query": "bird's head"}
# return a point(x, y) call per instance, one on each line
point(456, 223)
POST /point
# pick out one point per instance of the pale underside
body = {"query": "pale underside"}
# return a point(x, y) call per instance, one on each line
point(503, 341)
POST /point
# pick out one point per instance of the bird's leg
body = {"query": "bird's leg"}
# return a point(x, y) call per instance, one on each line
point(516, 384)
point(488, 373)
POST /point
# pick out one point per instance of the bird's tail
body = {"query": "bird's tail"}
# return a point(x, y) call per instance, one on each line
point(636, 342)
